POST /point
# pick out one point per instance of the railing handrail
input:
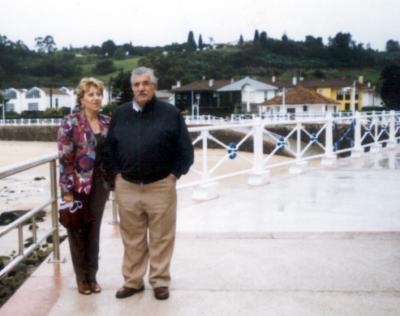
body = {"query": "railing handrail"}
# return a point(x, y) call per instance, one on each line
point(9, 170)
point(23, 252)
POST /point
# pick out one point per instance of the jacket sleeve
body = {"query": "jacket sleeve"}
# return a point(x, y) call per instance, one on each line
point(185, 152)
point(66, 156)
point(109, 154)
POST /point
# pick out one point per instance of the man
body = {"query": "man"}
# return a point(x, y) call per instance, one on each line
point(148, 148)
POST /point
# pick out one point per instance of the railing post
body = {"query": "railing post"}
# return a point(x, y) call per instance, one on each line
point(206, 190)
point(300, 165)
point(258, 176)
point(392, 130)
point(376, 147)
point(54, 211)
point(330, 156)
point(357, 150)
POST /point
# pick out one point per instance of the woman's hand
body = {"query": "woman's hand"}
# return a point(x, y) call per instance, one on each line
point(68, 197)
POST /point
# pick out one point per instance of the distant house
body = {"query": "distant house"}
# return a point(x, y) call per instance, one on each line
point(166, 96)
point(42, 98)
point(351, 94)
point(252, 92)
point(223, 97)
point(299, 101)
point(15, 99)
point(202, 94)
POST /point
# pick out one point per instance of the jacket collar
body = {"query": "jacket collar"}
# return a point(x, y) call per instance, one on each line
point(150, 105)
point(83, 120)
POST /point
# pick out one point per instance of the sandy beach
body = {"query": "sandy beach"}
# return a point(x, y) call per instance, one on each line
point(22, 191)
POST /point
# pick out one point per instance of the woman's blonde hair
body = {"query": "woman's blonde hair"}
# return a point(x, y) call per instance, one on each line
point(85, 84)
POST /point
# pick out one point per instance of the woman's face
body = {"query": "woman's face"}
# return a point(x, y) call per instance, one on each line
point(92, 99)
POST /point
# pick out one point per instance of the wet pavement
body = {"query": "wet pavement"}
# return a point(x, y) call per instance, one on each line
point(325, 242)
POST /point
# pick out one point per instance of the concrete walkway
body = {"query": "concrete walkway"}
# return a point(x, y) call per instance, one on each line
point(326, 242)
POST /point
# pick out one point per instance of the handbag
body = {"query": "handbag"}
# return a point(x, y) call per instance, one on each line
point(74, 215)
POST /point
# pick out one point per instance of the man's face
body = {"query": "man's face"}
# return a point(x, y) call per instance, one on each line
point(143, 89)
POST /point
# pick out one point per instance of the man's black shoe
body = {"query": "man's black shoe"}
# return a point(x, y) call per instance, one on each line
point(127, 291)
point(161, 293)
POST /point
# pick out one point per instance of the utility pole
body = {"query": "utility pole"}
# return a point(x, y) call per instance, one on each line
point(353, 97)
point(4, 110)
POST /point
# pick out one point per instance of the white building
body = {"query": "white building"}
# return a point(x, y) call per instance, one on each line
point(16, 99)
point(370, 98)
point(299, 101)
point(43, 98)
point(40, 99)
point(252, 91)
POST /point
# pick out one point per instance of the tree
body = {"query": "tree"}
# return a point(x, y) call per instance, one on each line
point(241, 41)
point(341, 41)
point(256, 37)
point(191, 43)
point(392, 46)
point(201, 45)
point(119, 53)
point(128, 47)
point(45, 45)
point(108, 48)
point(390, 90)
point(263, 39)
point(121, 88)
point(104, 67)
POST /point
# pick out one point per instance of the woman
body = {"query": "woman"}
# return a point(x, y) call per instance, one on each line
point(80, 140)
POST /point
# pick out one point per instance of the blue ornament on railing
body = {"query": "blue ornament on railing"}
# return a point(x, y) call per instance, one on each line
point(232, 151)
point(313, 139)
point(281, 143)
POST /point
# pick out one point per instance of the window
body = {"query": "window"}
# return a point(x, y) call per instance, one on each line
point(326, 108)
point(10, 94)
point(305, 108)
point(33, 106)
point(33, 94)
point(348, 96)
point(10, 107)
point(339, 95)
point(347, 107)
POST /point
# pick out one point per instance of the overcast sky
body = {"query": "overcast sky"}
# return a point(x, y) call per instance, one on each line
point(152, 22)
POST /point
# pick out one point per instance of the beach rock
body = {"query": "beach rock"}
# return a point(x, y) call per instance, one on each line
point(31, 227)
point(10, 216)
point(3, 261)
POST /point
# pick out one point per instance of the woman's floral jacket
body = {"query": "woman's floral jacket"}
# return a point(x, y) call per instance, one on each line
point(77, 151)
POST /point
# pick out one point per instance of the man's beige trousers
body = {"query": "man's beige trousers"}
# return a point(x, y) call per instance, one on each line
point(147, 223)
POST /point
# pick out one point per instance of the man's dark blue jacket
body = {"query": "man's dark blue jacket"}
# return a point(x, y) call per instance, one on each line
point(149, 145)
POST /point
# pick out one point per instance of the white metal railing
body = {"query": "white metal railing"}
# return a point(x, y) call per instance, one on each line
point(32, 121)
point(23, 252)
point(210, 119)
point(323, 133)
point(298, 138)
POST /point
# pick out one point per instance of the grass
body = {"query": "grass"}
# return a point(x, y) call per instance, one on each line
point(125, 64)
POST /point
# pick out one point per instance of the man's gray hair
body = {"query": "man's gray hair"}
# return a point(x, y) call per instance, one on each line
point(140, 71)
